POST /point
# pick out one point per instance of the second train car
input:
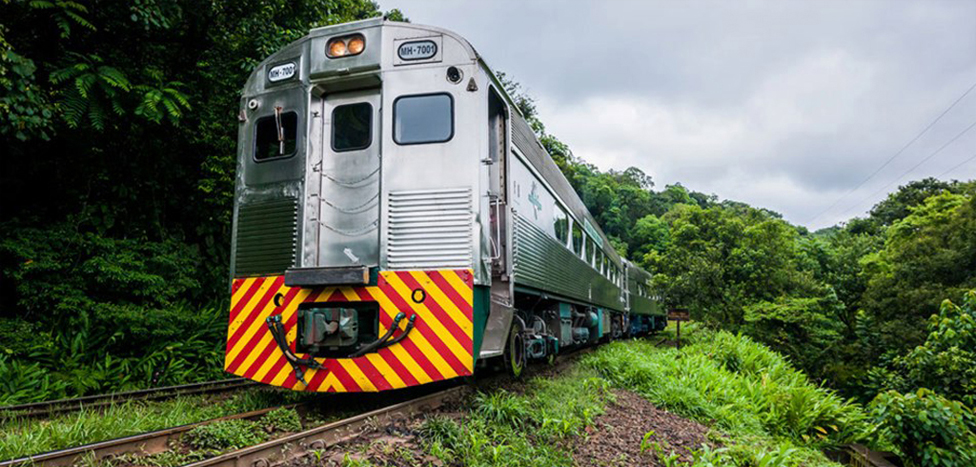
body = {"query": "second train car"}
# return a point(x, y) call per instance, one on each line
point(397, 222)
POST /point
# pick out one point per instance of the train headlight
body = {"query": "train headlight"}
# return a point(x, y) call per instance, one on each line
point(346, 46)
point(337, 48)
point(356, 45)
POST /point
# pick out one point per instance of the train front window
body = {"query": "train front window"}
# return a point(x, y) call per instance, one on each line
point(422, 119)
point(352, 127)
point(275, 136)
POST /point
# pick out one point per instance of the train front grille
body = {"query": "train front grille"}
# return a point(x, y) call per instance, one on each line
point(267, 233)
point(430, 229)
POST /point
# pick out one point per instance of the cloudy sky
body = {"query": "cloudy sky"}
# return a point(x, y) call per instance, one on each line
point(786, 105)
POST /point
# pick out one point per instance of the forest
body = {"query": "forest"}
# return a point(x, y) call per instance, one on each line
point(118, 123)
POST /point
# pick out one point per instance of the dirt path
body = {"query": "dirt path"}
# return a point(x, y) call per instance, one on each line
point(615, 439)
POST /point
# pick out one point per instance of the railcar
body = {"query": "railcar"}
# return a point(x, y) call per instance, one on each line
point(396, 222)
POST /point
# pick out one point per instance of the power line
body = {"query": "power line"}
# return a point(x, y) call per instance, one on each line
point(947, 172)
point(890, 159)
point(872, 195)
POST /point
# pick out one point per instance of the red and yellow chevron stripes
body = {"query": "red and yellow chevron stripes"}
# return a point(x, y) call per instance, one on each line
point(441, 345)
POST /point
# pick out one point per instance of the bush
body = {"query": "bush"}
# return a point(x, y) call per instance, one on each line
point(736, 383)
point(946, 363)
point(67, 278)
point(806, 329)
point(928, 429)
point(27, 382)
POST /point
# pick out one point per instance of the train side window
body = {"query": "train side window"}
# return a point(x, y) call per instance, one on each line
point(560, 224)
point(590, 250)
point(577, 239)
point(427, 118)
point(606, 266)
point(269, 143)
point(352, 127)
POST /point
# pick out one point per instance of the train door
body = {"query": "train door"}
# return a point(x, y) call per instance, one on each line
point(499, 328)
point(349, 188)
point(497, 181)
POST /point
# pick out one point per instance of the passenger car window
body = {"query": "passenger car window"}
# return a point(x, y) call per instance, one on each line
point(560, 224)
point(269, 143)
point(352, 127)
point(423, 119)
point(590, 250)
point(577, 240)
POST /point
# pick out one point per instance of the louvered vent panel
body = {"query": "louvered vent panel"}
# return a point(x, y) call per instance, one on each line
point(430, 229)
point(266, 237)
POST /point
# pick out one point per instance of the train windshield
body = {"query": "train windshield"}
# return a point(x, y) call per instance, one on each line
point(423, 119)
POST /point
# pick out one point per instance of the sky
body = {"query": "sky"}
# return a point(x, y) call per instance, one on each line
point(785, 105)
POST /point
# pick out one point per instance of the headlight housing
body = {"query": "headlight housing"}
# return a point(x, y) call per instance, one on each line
point(345, 46)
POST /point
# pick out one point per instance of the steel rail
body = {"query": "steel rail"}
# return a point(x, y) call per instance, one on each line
point(39, 409)
point(289, 447)
point(152, 442)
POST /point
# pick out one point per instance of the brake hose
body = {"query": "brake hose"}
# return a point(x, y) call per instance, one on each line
point(403, 335)
point(382, 340)
point(278, 333)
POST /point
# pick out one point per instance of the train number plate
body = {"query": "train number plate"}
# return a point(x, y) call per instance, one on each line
point(282, 72)
point(417, 50)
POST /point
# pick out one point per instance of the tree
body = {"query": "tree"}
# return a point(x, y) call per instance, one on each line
point(929, 254)
point(119, 128)
point(946, 362)
point(898, 204)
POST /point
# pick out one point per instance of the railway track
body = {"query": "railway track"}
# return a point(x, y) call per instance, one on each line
point(264, 454)
point(48, 408)
point(296, 445)
point(152, 442)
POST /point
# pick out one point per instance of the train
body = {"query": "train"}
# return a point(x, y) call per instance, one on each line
point(397, 222)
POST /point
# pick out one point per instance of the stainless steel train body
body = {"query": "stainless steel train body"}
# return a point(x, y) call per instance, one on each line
point(397, 222)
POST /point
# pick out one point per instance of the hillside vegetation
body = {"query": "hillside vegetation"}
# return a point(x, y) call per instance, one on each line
point(119, 127)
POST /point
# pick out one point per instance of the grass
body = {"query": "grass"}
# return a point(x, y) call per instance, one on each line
point(764, 412)
point(772, 412)
point(23, 437)
point(530, 429)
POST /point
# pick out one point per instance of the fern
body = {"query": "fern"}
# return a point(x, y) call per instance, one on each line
point(65, 13)
point(165, 102)
point(94, 89)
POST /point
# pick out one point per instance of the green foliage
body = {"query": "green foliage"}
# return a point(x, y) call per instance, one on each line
point(806, 329)
point(283, 419)
point(105, 314)
point(22, 382)
point(928, 429)
point(899, 204)
point(928, 255)
point(739, 385)
point(25, 111)
point(119, 131)
point(520, 429)
point(64, 276)
point(502, 407)
point(226, 435)
point(946, 362)
point(91, 91)
point(21, 437)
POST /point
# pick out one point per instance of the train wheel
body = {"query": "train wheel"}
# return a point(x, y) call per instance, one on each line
point(515, 349)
